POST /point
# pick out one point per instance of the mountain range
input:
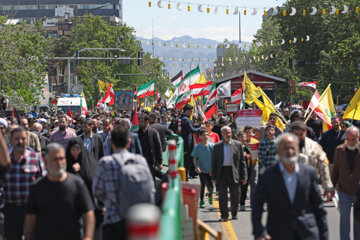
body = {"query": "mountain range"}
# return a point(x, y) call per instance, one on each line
point(182, 51)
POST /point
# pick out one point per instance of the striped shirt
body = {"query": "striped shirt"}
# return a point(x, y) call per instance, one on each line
point(21, 174)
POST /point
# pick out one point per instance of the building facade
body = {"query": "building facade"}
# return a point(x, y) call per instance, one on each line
point(40, 9)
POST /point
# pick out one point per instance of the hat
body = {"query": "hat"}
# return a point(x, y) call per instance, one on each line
point(42, 120)
point(3, 122)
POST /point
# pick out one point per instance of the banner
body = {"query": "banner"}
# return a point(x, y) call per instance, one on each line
point(249, 117)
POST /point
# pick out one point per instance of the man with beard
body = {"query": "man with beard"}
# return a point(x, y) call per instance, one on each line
point(312, 154)
point(106, 135)
point(150, 143)
point(59, 199)
point(295, 207)
point(92, 141)
point(331, 139)
point(26, 166)
point(345, 176)
point(63, 135)
point(33, 139)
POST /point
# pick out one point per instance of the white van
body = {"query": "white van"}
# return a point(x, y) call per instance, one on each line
point(72, 101)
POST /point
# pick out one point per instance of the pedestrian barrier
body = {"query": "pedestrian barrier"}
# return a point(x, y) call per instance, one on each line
point(205, 231)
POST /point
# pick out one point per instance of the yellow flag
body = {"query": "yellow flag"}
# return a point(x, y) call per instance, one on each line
point(267, 108)
point(82, 94)
point(201, 79)
point(326, 106)
point(251, 91)
point(353, 111)
point(25, 111)
point(192, 103)
point(103, 86)
point(171, 93)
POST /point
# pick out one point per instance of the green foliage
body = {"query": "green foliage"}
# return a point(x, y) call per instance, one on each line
point(22, 52)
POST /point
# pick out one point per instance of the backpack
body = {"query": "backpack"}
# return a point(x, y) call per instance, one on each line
point(136, 184)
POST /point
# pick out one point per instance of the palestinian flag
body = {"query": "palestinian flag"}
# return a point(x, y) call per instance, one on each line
point(189, 79)
point(145, 90)
point(176, 80)
point(201, 89)
point(182, 100)
point(210, 111)
point(134, 121)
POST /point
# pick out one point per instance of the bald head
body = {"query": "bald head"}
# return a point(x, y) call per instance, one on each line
point(352, 138)
point(287, 147)
point(37, 127)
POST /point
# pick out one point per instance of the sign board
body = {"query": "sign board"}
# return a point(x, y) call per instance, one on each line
point(249, 117)
point(292, 91)
point(292, 83)
point(123, 100)
point(232, 107)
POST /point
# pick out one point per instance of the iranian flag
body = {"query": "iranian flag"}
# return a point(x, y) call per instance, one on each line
point(109, 97)
point(176, 80)
point(201, 89)
point(189, 79)
point(211, 100)
point(239, 96)
point(145, 90)
point(182, 100)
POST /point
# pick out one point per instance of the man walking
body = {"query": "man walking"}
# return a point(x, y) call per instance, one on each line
point(267, 149)
point(295, 207)
point(346, 176)
point(92, 141)
point(110, 188)
point(228, 171)
point(59, 199)
point(26, 166)
point(63, 135)
point(106, 135)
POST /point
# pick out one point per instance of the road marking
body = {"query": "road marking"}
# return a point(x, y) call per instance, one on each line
point(227, 227)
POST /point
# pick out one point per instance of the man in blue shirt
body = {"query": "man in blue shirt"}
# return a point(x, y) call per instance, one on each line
point(202, 162)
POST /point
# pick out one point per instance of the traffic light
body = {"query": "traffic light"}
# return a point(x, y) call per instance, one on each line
point(140, 55)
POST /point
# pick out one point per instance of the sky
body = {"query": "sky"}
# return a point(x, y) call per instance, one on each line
point(168, 24)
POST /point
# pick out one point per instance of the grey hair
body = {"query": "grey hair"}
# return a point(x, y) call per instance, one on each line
point(52, 146)
point(125, 120)
point(281, 138)
point(38, 125)
point(225, 127)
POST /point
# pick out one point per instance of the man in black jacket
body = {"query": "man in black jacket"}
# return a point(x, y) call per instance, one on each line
point(295, 206)
point(187, 133)
point(161, 129)
point(92, 141)
point(150, 143)
point(357, 213)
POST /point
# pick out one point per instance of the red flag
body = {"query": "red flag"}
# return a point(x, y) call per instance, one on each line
point(164, 103)
point(70, 115)
point(13, 113)
point(157, 96)
point(109, 97)
point(211, 111)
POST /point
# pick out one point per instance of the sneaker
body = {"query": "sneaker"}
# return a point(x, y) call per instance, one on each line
point(202, 204)
point(242, 208)
point(211, 200)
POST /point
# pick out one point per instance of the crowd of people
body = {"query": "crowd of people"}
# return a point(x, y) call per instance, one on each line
point(75, 173)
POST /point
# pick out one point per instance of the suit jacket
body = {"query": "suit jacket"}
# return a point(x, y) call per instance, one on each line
point(238, 161)
point(306, 215)
point(341, 177)
point(97, 145)
point(135, 145)
point(357, 205)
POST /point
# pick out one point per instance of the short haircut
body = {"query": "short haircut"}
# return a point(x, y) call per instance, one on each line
point(52, 146)
point(17, 130)
point(86, 121)
point(187, 107)
point(209, 122)
point(222, 120)
point(248, 128)
point(62, 116)
point(202, 131)
point(240, 134)
point(269, 127)
point(281, 138)
point(144, 116)
point(120, 136)
point(153, 115)
point(298, 125)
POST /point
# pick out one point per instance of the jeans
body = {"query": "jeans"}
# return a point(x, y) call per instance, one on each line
point(205, 180)
point(345, 203)
point(253, 175)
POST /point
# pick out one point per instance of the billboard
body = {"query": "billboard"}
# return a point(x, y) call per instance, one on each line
point(123, 100)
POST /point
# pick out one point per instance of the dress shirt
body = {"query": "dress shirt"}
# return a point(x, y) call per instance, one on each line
point(88, 143)
point(227, 154)
point(290, 180)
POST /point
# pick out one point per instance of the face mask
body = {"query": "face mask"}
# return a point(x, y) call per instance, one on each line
point(292, 159)
point(36, 132)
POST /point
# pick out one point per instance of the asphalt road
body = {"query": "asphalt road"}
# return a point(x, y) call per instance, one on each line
point(242, 229)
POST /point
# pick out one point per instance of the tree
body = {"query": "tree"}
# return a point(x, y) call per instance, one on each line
point(22, 67)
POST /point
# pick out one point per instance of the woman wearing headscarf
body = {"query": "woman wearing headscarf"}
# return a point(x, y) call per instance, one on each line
point(83, 164)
